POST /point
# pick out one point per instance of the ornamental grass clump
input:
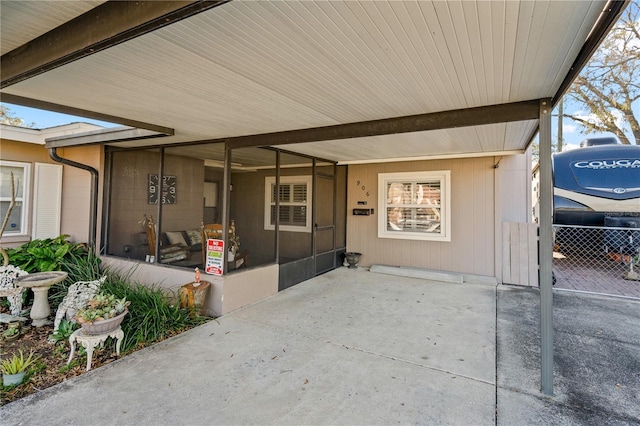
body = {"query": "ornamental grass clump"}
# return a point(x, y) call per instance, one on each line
point(101, 307)
point(154, 315)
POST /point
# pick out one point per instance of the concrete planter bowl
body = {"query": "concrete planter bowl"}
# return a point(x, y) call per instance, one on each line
point(104, 326)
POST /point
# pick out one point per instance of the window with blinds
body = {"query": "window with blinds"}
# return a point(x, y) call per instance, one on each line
point(414, 205)
point(294, 202)
point(17, 222)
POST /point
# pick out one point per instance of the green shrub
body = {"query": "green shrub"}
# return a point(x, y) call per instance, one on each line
point(152, 315)
point(44, 255)
point(82, 265)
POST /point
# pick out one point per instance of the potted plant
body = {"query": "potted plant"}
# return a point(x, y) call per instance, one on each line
point(15, 368)
point(103, 313)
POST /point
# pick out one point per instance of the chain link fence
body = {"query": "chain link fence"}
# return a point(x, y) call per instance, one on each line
point(599, 259)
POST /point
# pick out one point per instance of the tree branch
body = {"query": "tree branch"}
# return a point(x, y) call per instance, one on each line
point(5, 256)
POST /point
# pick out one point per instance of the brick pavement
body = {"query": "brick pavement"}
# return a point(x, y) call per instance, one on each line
point(594, 273)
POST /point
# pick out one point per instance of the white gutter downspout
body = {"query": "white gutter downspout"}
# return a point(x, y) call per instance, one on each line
point(93, 207)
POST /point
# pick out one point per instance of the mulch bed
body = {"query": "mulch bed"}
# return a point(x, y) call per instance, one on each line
point(52, 366)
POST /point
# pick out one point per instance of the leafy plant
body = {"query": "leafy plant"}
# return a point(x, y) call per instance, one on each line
point(43, 255)
point(69, 366)
point(38, 366)
point(64, 331)
point(103, 306)
point(17, 363)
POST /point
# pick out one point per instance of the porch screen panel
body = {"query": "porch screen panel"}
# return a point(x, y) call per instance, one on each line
point(295, 207)
point(129, 195)
point(249, 168)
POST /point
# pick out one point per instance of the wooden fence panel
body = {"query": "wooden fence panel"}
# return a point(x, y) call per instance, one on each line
point(520, 253)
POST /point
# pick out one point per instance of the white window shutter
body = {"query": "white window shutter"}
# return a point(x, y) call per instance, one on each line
point(47, 201)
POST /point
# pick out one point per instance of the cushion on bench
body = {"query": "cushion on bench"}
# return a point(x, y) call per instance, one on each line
point(189, 239)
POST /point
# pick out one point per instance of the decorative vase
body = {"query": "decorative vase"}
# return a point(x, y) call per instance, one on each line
point(14, 324)
point(11, 334)
point(13, 379)
point(104, 326)
point(13, 330)
point(352, 258)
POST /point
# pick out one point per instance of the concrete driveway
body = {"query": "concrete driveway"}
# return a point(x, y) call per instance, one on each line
point(347, 347)
point(596, 360)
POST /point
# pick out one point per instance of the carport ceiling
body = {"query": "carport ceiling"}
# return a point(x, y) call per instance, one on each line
point(251, 68)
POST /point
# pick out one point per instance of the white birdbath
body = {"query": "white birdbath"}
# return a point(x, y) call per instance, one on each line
point(40, 282)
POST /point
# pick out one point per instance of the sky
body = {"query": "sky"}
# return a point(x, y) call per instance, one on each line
point(44, 119)
point(573, 133)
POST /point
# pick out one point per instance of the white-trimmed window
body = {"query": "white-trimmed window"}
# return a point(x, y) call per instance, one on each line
point(17, 224)
point(415, 205)
point(294, 195)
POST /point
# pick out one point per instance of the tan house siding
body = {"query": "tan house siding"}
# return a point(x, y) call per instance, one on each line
point(76, 185)
point(25, 152)
point(472, 246)
point(76, 192)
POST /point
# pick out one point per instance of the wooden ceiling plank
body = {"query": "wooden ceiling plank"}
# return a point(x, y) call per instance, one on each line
point(508, 44)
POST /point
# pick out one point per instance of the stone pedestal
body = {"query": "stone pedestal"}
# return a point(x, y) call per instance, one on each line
point(40, 282)
point(90, 341)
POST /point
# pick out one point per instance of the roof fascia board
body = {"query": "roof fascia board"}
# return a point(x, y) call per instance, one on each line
point(111, 23)
point(467, 117)
point(608, 18)
point(433, 157)
point(34, 103)
point(38, 136)
point(117, 134)
point(21, 134)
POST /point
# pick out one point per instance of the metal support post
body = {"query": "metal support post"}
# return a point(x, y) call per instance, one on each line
point(546, 250)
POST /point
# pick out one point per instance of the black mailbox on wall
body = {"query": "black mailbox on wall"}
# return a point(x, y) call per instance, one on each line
point(362, 212)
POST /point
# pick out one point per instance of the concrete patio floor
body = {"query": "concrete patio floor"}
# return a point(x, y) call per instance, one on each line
point(356, 347)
